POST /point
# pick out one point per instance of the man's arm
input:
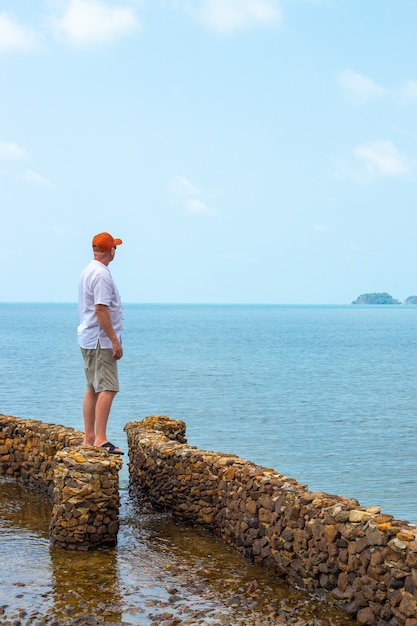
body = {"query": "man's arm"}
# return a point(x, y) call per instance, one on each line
point(104, 320)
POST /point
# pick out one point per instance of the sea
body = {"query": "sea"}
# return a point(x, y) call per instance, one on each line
point(324, 394)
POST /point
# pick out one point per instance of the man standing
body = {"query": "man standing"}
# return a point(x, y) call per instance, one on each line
point(99, 337)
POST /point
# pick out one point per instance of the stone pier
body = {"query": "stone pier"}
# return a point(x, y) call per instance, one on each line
point(358, 558)
point(81, 481)
point(85, 513)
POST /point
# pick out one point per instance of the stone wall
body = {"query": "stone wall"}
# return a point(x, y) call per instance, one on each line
point(82, 481)
point(28, 449)
point(356, 557)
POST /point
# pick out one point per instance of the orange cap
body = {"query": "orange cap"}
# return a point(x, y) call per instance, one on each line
point(105, 241)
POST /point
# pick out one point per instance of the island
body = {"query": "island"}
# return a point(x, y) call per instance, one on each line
point(410, 300)
point(375, 298)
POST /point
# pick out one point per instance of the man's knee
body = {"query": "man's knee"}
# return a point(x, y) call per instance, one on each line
point(107, 394)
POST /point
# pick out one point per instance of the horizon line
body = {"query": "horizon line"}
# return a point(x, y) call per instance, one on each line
point(128, 302)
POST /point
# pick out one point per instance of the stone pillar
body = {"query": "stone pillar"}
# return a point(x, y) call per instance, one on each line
point(85, 513)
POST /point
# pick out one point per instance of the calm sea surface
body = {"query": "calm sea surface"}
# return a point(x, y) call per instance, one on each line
point(324, 394)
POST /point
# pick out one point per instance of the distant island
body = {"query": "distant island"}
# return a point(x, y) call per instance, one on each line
point(382, 298)
point(410, 300)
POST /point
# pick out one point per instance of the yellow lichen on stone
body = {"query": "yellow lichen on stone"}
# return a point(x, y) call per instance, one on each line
point(77, 456)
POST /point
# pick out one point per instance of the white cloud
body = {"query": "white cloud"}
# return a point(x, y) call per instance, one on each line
point(11, 151)
point(362, 89)
point(35, 178)
point(184, 186)
point(359, 87)
point(231, 15)
point(382, 158)
point(94, 21)
point(196, 206)
point(191, 196)
point(13, 36)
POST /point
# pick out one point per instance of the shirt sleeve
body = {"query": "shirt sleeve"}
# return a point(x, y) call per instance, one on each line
point(103, 289)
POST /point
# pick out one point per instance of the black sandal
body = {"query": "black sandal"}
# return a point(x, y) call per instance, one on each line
point(111, 448)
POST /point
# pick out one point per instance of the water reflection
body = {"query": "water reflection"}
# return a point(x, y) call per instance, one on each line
point(86, 583)
point(24, 551)
point(159, 571)
point(23, 507)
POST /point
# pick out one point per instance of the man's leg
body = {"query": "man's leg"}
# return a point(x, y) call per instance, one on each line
point(89, 410)
point(102, 412)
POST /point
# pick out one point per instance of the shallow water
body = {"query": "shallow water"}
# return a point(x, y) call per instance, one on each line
point(160, 571)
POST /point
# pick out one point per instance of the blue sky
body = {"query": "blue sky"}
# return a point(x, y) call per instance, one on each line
point(246, 151)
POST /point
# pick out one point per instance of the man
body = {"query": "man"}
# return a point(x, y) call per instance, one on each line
point(99, 337)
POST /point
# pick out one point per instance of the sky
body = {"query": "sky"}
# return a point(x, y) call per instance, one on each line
point(245, 151)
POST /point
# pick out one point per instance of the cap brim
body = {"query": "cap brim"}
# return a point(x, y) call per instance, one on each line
point(118, 242)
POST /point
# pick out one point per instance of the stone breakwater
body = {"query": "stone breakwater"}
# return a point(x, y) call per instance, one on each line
point(82, 481)
point(363, 561)
point(28, 449)
point(85, 513)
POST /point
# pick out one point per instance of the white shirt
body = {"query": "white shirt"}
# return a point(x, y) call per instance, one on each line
point(97, 286)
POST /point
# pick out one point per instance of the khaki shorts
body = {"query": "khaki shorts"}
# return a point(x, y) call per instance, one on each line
point(100, 369)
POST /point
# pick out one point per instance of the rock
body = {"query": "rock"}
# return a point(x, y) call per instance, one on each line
point(320, 542)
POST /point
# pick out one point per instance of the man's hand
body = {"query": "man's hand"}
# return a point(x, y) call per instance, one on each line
point(117, 350)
